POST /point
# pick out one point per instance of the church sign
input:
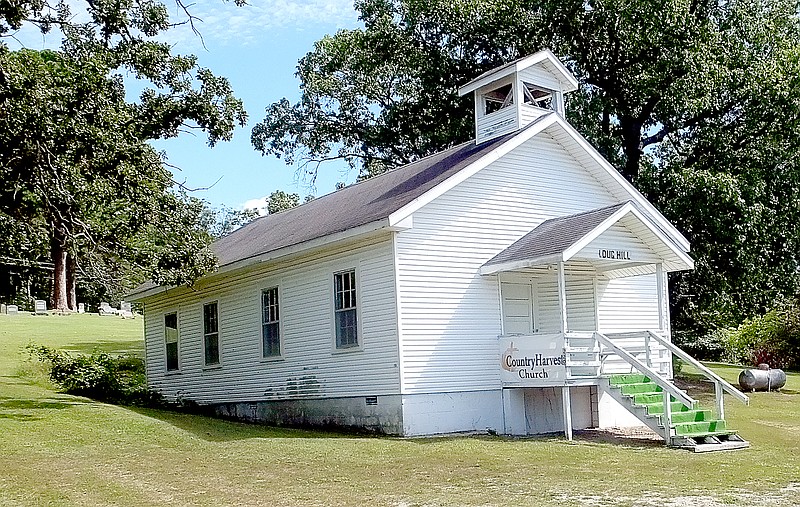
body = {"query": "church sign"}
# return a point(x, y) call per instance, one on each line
point(533, 360)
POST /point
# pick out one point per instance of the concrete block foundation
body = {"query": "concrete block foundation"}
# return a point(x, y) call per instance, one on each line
point(373, 414)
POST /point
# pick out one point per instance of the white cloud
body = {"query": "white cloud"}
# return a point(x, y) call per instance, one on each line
point(258, 204)
point(223, 22)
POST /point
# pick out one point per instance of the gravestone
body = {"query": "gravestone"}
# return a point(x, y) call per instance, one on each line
point(105, 309)
point(3, 310)
point(40, 307)
point(81, 308)
point(12, 309)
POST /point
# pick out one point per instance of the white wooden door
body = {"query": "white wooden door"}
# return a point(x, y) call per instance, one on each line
point(517, 308)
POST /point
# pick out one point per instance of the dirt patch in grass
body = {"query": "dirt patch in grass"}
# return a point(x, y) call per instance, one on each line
point(641, 436)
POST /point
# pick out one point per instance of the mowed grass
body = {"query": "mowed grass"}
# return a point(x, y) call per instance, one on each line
point(57, 449)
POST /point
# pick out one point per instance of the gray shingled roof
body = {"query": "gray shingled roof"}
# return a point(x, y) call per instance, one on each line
point(554, 236)
point(360, 204)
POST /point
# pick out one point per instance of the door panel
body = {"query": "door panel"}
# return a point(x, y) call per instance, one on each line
point(517, 308)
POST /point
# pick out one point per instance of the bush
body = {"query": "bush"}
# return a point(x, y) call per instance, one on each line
point(99, 376)
point(711, 347)
point(773, 338)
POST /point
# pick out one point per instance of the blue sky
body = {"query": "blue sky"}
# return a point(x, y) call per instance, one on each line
point(257, 48)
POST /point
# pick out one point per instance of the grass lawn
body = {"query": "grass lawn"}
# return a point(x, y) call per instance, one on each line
point(57, 449)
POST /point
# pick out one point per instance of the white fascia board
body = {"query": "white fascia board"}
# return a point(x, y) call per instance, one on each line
point(135, 297)
point(563, 74)
point(657, 232)
point(579, 245)
point(608, 222)
point(522, 264)
point(527, 133)
point(674, 233)
point(568, 77)
point(285, 251)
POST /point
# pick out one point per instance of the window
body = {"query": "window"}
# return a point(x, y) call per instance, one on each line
point(498, 99)
point(211, 333)
point(270, 323)
point(345, 314)
point(171, 339)
point(537, 96)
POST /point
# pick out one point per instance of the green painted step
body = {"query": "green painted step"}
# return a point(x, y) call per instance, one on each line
point(658, 408)
point(701, 428)
point(649, 398)
point(628, 378)
point(643, 388)
point(687, 422)
point(691, 416)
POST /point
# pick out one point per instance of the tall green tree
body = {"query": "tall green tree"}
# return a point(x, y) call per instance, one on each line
point(74, 156)
point(693, 101)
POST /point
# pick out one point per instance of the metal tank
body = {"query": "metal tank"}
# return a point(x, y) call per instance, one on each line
point(762, 379)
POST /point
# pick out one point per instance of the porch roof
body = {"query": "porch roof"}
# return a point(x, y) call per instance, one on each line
point(618, 240)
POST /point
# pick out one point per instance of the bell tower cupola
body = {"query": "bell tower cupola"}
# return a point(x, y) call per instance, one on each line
point(512, 96)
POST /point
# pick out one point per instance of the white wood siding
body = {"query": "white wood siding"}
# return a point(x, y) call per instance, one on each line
point(310, 367)
point(631, 304)
point(540, 77)
point(618, 237)
point(580, 300)
point(528, 114)
point(450, 315)
point(628, 304)
point(497, 123)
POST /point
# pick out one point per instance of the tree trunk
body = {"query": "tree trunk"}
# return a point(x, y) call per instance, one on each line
point(58, 250)
point(71, 269)
point(632, 147)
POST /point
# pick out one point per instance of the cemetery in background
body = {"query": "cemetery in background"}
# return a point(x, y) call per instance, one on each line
point(26, 286)
point(22, 282)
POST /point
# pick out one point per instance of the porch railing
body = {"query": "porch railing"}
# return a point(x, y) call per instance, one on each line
point(588, 352)
point(720, 384)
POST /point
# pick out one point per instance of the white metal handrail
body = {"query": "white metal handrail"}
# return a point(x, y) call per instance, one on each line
point(656, 377)
point(668, 388)
point(648, 352)
point(720, 384)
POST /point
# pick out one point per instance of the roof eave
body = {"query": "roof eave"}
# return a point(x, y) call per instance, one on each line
point(296, 249)
point(564, 76)
point(491, 269)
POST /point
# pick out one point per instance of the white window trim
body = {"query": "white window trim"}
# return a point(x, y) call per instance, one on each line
point(218, 365)
point(280, 356)
point(359, 303)
point(164, 335)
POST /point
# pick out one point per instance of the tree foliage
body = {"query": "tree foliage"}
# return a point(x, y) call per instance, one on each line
point(694, 101)
point(280, 201)
point(74, 157)
point(224, 220)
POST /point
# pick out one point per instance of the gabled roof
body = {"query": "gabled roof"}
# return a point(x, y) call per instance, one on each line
point(544, 58)
point(387, 200)
point(563, 238)
point(553, 237)
point(367, 202)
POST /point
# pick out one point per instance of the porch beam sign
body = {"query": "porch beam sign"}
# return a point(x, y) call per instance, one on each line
point(613, 254)
point(537, 360)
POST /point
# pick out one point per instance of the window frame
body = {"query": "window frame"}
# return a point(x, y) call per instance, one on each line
point(359, 345)
point(206, 364)
point(177, 341)
point(279, 321)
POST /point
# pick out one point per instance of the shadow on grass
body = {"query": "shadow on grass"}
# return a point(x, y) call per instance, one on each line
point(135, 347)
point(32, 410)
point(214, 429)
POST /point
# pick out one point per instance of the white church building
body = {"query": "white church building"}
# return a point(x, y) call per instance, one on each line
point(514, 284)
